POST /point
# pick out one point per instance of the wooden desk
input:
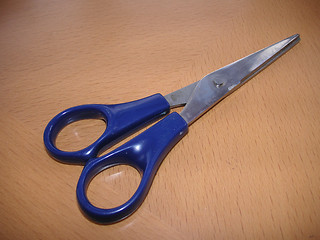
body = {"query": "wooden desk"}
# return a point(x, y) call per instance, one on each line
point(248, 169)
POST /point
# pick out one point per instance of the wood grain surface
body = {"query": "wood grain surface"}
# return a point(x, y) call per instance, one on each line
point(248, 169)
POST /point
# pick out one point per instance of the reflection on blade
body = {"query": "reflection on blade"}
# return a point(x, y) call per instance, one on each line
point(219, 84)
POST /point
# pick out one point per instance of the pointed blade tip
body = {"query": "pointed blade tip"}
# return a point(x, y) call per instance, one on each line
point(295, 38)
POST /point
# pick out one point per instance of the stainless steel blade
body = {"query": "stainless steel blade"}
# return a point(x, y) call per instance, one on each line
point(219, 84)
point(180, 97)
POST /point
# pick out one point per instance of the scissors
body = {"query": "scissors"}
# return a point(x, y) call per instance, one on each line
point(146, 151)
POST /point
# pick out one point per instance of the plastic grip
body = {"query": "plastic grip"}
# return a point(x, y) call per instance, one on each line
point(145, 152)
point(122, 120)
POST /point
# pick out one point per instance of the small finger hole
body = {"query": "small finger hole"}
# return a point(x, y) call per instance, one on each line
point(80, 134)
point(113, 186)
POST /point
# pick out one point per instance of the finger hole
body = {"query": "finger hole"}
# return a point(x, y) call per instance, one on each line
point(113, 186)
point(80, 134)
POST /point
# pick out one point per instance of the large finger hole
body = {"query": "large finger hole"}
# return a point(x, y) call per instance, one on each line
point(113, 186)
point(80, 134)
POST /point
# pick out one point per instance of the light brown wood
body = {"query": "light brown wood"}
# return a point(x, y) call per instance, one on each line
point(248, 169)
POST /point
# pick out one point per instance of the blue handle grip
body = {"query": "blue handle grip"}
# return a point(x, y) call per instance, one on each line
point(145, 152)
point(122, 120)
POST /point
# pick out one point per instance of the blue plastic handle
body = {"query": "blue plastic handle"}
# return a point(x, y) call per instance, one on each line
point(122, 120)
point(145, 152)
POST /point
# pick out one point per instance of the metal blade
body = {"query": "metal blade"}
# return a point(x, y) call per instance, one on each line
point(180, 97)
point(219, 84)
